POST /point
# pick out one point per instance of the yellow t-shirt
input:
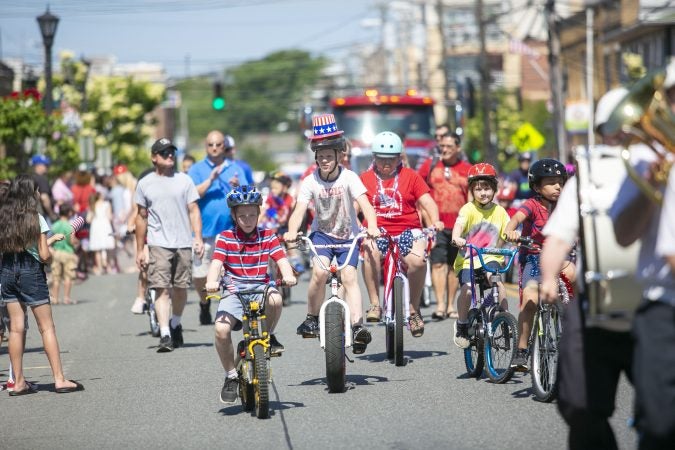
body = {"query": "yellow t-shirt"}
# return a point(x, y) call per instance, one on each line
point(482, 228)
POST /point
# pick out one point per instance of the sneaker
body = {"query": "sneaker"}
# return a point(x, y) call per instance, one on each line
point(374, 314)
point(165, 345)
point(139, 306)
point(205, 313)
point(310, 327)
point(361, 339)
point(228, 394)
point(177, 336)
point(416, 325)
point(520, 359)
point(462, 335)
point(276, 347)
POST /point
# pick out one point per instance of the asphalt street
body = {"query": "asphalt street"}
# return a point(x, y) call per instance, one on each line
point(137, 398)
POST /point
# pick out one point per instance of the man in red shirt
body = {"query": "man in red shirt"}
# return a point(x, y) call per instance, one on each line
point(449, 189)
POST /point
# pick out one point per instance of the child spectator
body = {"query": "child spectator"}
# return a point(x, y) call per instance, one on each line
point(244, 252)
point(64, 259)
point(101, 237)
point(480, 222)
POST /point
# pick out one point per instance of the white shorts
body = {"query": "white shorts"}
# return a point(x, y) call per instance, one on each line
point(200, 267)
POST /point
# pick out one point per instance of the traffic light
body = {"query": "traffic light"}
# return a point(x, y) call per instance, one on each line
point(218, 102)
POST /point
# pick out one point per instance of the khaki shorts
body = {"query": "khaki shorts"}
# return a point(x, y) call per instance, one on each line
point(200, 267)
point(64, 265)
point(169, 267)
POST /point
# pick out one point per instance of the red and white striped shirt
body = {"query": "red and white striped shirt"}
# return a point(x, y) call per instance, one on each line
point(245, 259)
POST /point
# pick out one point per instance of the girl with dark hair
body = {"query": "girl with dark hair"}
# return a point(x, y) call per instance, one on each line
point(25, 250)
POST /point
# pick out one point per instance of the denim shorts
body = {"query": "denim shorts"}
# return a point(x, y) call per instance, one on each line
point(340, 253)
point(23, 280)
point(231, 305)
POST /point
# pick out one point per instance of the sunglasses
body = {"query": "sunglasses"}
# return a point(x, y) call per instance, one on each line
point(167, 152)
point(214, 144)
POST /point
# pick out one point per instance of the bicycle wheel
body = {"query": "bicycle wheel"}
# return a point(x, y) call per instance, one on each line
point(501, 347)
point(545, 354)
point(335, 347)
point(389, 340)
point(285, 295)
point(246, 393)
point(397, 295)
point(261, 383)
point(473, 355)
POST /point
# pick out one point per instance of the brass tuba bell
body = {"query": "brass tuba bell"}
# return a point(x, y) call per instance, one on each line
point(645, 115)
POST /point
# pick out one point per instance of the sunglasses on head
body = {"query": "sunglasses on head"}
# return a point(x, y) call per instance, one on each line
point(167, 152)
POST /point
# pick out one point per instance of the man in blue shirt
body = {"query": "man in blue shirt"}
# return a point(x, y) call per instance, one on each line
point(214, 177)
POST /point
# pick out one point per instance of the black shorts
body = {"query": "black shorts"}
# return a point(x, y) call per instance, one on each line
point(444, 252)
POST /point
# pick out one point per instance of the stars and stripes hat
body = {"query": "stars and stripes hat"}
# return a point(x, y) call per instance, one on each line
point(324, 126)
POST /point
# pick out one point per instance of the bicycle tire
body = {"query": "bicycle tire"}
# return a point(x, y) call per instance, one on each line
point(285, 295)
point(246, 393)
point(397, 296)
point(261, 385)
point(544, 358)
point(335, 347)
point(389, 340)
point(500, 348)
point(473, 355)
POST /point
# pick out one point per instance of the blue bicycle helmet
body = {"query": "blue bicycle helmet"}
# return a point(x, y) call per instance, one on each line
point(244, 195)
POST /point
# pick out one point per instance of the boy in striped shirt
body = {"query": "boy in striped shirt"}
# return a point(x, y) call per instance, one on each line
point(243, 253)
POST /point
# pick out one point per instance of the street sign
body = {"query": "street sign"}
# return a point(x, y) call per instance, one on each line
point(527, 138)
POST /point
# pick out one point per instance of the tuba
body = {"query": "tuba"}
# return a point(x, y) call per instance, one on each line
point(645, 115)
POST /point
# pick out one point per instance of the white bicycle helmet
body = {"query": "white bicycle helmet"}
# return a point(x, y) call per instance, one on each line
point(387, 143)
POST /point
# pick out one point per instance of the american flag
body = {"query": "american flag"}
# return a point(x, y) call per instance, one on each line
point(76, 223)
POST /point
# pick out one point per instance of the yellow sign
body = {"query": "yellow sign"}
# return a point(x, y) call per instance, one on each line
point(527, 138)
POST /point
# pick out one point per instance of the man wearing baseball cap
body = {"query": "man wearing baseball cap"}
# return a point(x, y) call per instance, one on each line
point(40, 164)
point(168, 216)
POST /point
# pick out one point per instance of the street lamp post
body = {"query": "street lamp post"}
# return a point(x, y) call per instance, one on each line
point(48, 23)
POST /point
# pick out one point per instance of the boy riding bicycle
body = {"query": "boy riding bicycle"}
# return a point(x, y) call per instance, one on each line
point(546, 177)
point(243, 252)
point(334, 190)
point(481, 223)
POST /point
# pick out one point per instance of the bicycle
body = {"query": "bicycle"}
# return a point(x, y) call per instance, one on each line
point(493, 332)
point(253, 352)
point(545, 337)
point(396, 302)
point(335, 330)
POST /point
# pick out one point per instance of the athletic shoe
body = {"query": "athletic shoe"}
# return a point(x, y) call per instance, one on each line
point(310, 327)
point(462, 335)
point(520, 359)
point(228, 394)
point(205, 313)
point(177, 336)
point(165, 345)
point(361, 339)
point(276, 347)
point(139, 306)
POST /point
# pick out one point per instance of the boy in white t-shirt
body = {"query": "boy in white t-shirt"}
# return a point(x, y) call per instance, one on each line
point(334, 190)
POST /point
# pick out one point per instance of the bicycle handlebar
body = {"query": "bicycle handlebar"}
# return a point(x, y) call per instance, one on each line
point(351, 246)
point(480, 251)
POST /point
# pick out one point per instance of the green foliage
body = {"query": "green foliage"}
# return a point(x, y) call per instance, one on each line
point(259, 95)
point(258, 158)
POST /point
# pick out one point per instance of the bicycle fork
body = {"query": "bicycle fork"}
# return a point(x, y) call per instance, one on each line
point(347, 321)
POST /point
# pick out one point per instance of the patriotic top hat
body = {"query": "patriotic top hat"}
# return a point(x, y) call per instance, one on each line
point(324, 126)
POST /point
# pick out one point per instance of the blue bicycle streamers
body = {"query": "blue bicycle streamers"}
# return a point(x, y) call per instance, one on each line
point(533, 259)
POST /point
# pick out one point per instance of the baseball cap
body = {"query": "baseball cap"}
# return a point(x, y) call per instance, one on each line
point(162, 144)
point(120, 169)
point(525, 156)
point(40, 159)
point(228, 141)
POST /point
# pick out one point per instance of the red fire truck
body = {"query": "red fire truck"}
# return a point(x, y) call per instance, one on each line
point(363, 116)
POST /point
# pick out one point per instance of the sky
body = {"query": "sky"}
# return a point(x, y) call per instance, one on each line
point(188, 37)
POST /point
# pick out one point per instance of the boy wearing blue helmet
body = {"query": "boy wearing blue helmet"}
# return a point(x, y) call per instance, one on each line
point(243, 251)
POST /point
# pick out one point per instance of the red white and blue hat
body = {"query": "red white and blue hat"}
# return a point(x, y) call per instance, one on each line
point(324, 126)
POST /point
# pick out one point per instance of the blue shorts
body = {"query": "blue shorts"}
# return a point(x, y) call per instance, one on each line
point(231, 305)
point(465, 274)
point(340, 253)
point(23, 280)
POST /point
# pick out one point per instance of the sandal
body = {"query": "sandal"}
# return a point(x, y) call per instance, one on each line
point(374, 314)
point(416, 325)
point(453, 315)
point(438, 316)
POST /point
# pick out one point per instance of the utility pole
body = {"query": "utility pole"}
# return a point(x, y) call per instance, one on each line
point(489, 151)
point(440, 11)
point(556, 80)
